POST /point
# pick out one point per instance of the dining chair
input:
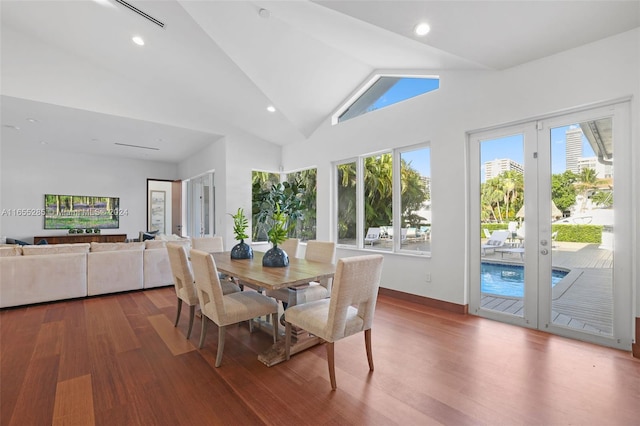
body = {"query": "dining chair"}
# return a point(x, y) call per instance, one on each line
point(317, 251)
point(208, 244)
point(349, 310)
point(184, 282)
point(226, 309)
point(290, 246)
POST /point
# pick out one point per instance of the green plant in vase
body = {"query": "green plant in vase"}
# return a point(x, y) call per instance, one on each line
point(275, 256)
point(241, 250)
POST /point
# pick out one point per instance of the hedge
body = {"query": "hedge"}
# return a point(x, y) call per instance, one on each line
point(569, 233)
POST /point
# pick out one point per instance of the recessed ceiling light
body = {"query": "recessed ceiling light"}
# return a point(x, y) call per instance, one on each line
point(138, 40)
point(32, 120)
point(422, 29)
point(271, 108)
point(264, 13)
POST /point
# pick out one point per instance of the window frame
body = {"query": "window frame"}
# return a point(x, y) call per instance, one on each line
point(396, 153)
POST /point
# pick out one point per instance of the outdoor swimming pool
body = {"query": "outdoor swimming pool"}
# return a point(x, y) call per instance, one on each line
point(508, 280)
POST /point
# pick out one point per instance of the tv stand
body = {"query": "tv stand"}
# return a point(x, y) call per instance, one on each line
point(82, 238)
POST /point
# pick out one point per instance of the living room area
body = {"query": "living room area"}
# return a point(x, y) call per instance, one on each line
point(103, 117)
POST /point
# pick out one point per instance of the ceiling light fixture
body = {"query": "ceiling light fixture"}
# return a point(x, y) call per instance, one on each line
point(32, 120)
point(271, 108)
point(422, 29)
point(138, 40)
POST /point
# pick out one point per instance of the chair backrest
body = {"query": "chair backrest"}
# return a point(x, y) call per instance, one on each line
point(498, 237)
point(487, 234)
point(290, 246)
point(180, 270)
point(520, 231)
point(321, 251)
point(355, 283)
point(513, 226)
point(372, 234)
point(208, 244)
point(208, 285)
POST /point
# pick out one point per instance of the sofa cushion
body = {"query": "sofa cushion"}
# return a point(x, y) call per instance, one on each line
point(7, 251)
point(35, 250)
point(154, 244)
point(100, 247)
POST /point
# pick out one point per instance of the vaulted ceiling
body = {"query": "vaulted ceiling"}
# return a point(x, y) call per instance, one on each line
point(72, 79)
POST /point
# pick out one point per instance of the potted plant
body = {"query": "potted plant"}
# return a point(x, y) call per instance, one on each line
point(275, 256)
point(241, 250)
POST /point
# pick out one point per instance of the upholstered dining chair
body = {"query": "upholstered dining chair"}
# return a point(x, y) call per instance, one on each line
point(290, 246)
point(208, 244)
point(317, 251)
point(349, 310)
point(226, 309)
point(184, 283)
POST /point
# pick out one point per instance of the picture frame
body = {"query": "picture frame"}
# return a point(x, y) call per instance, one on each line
point(157, 211)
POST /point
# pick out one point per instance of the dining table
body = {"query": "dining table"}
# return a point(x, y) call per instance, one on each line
point(298, 274)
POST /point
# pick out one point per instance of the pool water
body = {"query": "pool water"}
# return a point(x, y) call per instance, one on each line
point(508, 280)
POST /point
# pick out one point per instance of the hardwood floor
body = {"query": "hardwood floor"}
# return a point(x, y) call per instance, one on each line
point(118, 360)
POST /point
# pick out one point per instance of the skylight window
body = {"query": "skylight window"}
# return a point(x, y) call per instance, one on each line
point(383, 91)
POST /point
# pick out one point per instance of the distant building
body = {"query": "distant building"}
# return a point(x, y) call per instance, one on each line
point(574, 149)
point(603, 171)
point(496, 167)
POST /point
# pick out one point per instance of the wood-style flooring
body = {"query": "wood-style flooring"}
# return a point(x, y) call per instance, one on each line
point(118, 360)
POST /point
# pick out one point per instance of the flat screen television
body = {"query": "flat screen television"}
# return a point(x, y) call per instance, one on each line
point(81, 211)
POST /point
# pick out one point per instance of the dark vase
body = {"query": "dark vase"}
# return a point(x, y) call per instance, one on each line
point(242, 250)
point(275, 258)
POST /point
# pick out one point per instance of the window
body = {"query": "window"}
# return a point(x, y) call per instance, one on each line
point(346, 194)
point(384, 90)
point(302, 184)
point(390, 192)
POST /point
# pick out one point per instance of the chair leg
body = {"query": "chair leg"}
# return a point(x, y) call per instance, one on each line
point(221, 332)
point(332, 366)
point(251, 326)
point(179, 310)
point(367, 344)
point(287, 339)
point(274, 319)
point(203, 331)
point(192, 313)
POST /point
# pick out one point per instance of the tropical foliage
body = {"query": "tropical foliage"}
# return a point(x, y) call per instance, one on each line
point(502, 197)
point(378, 192)
point(286, 197)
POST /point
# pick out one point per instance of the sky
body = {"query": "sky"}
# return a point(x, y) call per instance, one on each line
point(512, 147)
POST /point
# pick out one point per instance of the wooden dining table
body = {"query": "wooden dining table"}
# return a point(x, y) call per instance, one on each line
point(298, 273)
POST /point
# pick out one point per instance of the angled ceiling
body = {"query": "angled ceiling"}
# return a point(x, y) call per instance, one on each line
point(215, 66)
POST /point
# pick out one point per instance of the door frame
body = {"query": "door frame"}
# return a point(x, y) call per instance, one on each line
point(619, 110)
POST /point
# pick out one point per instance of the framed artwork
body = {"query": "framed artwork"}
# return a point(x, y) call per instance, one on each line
point(157, 211)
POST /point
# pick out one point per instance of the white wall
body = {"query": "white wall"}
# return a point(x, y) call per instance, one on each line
point(232, 159)
point(28, 174)
point(466, 101)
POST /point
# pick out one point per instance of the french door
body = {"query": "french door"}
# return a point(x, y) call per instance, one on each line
point(200, 206)
point(550, 225)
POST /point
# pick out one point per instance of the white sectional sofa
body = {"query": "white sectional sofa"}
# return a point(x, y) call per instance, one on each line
point(43, 273)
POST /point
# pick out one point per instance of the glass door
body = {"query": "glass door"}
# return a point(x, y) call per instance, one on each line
point(549, 227)
point(200, 206)
point(504, 275)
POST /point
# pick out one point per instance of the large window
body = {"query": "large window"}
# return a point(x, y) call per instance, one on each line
point(301, 185)
point(384, 201)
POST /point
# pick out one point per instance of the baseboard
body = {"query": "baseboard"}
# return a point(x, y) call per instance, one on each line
point(425, 301)
point(635, 348)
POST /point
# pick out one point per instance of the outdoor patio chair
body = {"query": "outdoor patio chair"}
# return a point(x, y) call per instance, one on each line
point(496, 240)
point(373, 235)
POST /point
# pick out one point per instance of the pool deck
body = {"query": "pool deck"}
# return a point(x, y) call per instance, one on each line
point(582, 300)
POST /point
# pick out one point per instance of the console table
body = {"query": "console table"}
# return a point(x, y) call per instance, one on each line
point(82, 238)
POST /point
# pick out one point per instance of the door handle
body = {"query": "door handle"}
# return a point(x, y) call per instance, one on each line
point(543, 242)
point(544, 251)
